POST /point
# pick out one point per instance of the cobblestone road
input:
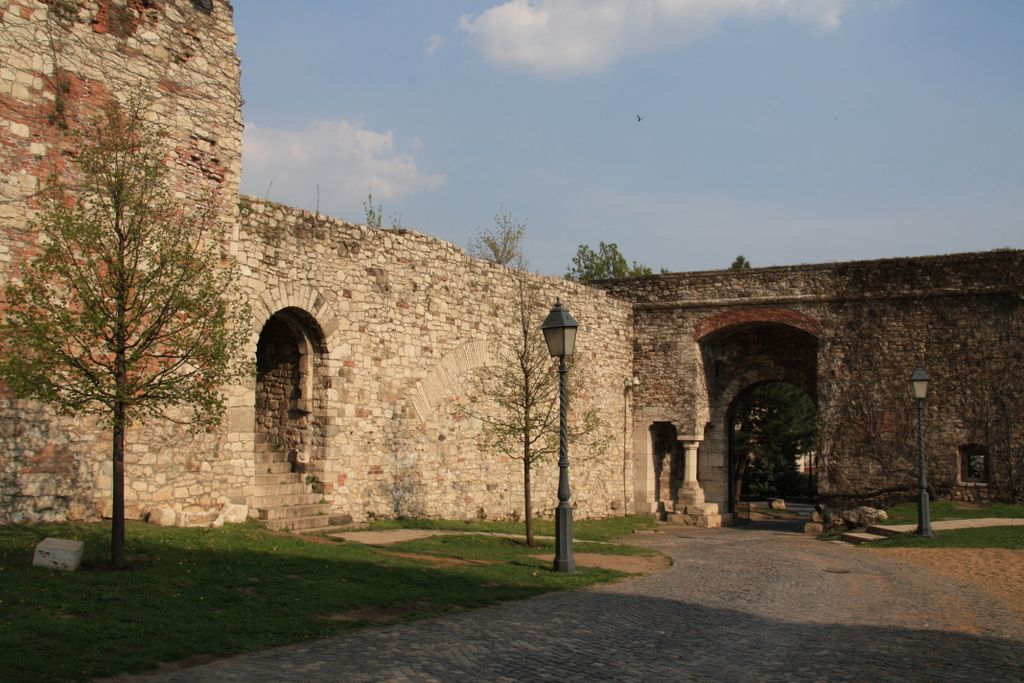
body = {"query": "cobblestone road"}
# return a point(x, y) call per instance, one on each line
point(737, 605)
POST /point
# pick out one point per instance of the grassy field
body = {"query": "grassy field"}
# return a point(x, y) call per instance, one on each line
point(585, 530)
point(217, 592)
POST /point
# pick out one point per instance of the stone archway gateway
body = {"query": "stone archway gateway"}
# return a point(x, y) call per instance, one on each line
point(289, 352)
point(736, 358)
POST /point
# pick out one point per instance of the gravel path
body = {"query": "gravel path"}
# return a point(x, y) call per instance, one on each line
point(737, 605)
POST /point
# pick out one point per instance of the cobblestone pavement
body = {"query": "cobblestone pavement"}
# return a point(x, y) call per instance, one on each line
point(737, 605)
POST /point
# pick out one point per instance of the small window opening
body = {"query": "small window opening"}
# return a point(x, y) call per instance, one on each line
point(973, 463)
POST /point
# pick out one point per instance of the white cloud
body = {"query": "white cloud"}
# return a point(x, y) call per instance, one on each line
point(344, 159)
point(569, 37)
point(433, 44)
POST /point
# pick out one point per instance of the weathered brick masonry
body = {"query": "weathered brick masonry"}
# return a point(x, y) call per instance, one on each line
point(849, 334)
point(402, 321)
point(366, 341)
point(58, 61)
point(365, 338)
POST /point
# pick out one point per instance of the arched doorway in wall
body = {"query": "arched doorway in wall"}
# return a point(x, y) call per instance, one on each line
point(289, 355)
point(667, 463)
point(772, 449)
point(738, 357)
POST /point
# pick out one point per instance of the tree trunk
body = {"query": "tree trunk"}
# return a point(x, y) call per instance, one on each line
point(527, 456)
point(526, 500)
point(117, 523)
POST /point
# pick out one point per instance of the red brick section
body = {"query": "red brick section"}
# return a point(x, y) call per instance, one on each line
point(50, 459)
point(758, 314)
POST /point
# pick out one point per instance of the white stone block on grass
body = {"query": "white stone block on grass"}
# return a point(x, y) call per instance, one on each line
point(58, 553)
point(233, 513)
point(163, 515)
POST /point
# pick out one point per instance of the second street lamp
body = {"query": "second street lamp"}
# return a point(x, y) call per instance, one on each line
point(560, 334)
point(919, 387)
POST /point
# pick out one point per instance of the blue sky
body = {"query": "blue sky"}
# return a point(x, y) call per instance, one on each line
point(791, 131)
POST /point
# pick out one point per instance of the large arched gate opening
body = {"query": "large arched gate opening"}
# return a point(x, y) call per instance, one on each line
point(289, 354)
point(741, 362)
point(772, 448)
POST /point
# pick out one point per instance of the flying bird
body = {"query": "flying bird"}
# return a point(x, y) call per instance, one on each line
point(639, 118)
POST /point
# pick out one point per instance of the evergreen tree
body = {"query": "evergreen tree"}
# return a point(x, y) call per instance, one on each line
point(605, 263)
point(775, 423)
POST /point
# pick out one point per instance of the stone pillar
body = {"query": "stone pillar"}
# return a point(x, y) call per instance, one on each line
point(690, 492)
point(690, 507)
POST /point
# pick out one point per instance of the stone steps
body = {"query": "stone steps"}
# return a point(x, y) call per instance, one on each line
point(274, 468)
point(306, 524)
point(269, 457)
point(281, 498)
point(290, 488)
point(295, 511)
point(271, 479)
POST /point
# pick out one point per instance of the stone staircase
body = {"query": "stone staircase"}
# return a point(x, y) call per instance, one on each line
point(282, 499)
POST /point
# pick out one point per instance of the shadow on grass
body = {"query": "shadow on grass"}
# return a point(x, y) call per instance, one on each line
point(194, 592)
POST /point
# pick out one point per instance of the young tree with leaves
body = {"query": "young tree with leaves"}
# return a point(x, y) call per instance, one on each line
point(605, 263)
point(503, 243)
point(127, 311)
point(518, 394)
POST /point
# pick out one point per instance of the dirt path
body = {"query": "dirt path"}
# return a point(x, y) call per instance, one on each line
point(997, 571)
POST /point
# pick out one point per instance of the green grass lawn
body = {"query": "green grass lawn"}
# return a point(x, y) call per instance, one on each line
point(986, 537)
point(906, 513)
point(584, 529)
point(218, 592)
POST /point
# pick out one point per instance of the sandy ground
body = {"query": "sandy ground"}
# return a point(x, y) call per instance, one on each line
point(998, 571)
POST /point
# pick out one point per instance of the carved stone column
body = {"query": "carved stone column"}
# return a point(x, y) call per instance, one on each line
point(690, 492)
point(690, 506)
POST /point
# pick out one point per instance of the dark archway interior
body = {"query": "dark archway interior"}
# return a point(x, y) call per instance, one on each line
point(772, 444)
point(286, 354)
point(668, 462)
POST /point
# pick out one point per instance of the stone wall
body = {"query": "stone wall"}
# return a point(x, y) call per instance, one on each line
point(387, 328)
point(59, 61)
point(849, 334)
point(371, 342)
point(407, 321)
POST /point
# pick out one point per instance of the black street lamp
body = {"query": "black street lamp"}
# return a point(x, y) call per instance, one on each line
point(560, 334)
point(919, 387)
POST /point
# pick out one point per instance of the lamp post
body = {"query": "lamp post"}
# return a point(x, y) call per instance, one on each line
point(919, 388)
point(560, 334)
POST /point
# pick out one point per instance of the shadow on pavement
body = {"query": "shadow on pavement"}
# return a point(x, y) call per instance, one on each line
point(617, 637)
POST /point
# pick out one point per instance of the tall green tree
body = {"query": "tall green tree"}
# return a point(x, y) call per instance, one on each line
point(605, 263)
point(127, 311)
point(774, 423)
